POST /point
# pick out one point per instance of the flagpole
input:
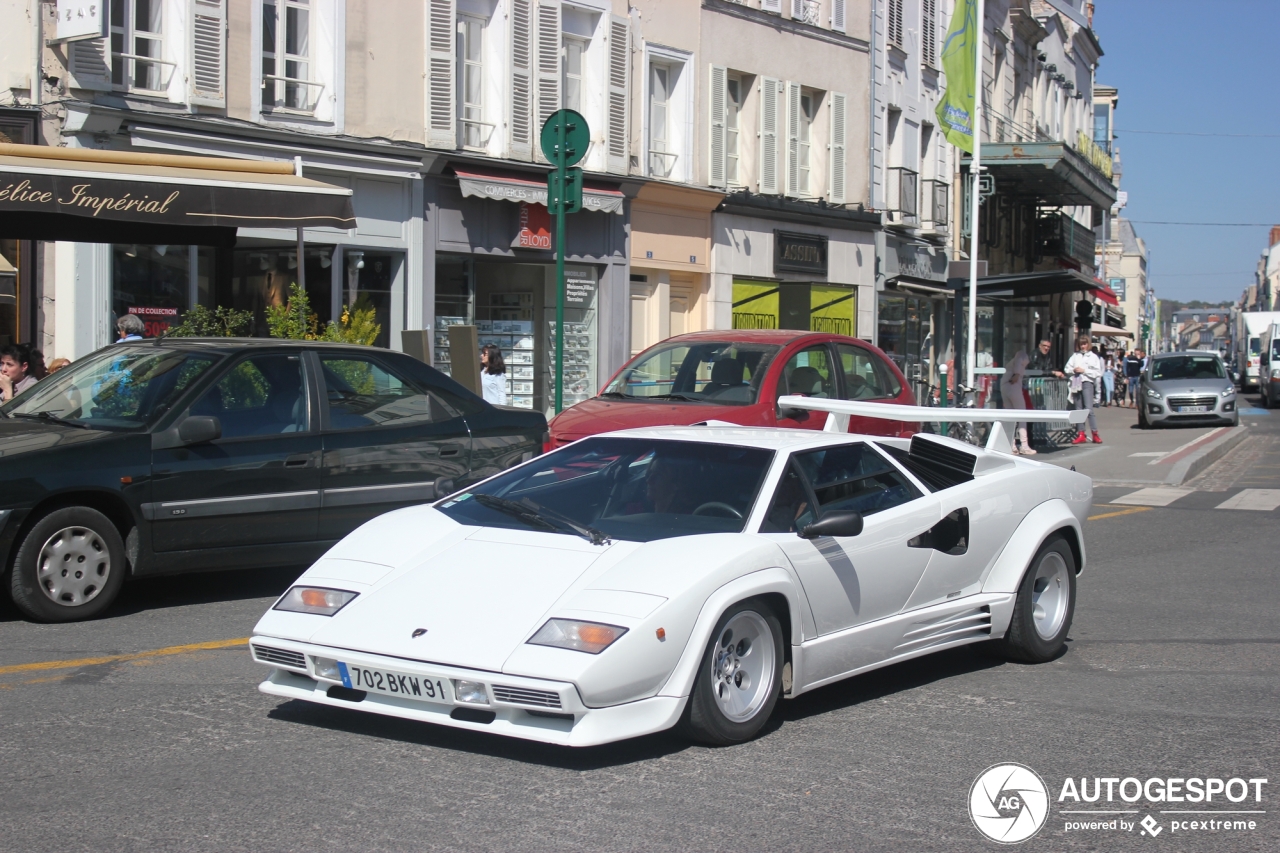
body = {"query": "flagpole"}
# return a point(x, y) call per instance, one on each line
point(975, 169)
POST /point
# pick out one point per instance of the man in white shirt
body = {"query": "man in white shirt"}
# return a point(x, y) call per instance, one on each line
point(1084, 369)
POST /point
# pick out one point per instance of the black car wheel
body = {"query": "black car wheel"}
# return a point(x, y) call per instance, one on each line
point(70, 566)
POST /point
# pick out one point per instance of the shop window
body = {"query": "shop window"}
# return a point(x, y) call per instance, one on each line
point(11, 263)
point(288, 66)
point(809, 373)
point(260, 279)
point(833, 310)
point(262, 395)
point(137, 47)
point(865, 376)
point(370, 279)
point(153, 282)
point(361, 392)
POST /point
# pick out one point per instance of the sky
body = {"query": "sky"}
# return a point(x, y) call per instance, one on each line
point(1196, 68)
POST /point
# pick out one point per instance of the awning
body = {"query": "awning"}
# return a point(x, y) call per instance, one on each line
point(1050, 172)
point(1100, 330)
point(1106, 294)
point(91, 196)
point(513, 186)
point(1031, 284)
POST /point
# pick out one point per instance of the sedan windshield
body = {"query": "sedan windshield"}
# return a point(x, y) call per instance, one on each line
point(121, 387)
point(633, 489)
point(1187, 367)
point(722, 372)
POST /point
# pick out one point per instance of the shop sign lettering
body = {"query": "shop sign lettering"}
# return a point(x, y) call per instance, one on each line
point(157, 320)
point(800, 252)
point(535, 228)
point(579, 285)
point(81, 196)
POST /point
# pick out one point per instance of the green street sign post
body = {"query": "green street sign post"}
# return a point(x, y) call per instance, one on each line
point(565, 139)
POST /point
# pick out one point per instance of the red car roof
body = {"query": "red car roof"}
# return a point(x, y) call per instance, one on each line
point(760, 336)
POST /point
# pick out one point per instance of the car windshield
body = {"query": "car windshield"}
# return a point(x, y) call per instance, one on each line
point(631, 489)
point(1187, 367)
point(120, 388)
point(722, 372)
point(1255, 346)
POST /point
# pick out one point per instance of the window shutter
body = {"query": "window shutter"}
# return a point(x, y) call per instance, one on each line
point(838, 130)
point(771, 6)
point(769, 135)
point(209, 53)
point(547, 65)
point(797, 9)
point(520, 122)
point(441, 43)
point(929, 33)
point(895, 21)
point(717, 98)
point(90, 64)
point(617, 131)
point(837, 15)
point(793, 138)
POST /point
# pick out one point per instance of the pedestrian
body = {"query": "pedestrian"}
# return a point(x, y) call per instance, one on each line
point(36, 360)
point(1085, 370)
point(1108, 380)
point(57, 364)
point(1133, 366)
point(493, 375)
point(131, 328)
point(14, 372)
point(1014, 396)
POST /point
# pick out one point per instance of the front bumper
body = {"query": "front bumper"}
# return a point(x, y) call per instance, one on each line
point(570, 724)
point(1164, 411)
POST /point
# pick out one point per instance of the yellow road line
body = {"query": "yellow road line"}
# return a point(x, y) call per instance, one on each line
point(1130, 511)
point(153, 653)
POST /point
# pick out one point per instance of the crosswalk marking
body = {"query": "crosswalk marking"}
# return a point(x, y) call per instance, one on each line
point(1155, 496)
point(1157, 454)
point(1263, 500)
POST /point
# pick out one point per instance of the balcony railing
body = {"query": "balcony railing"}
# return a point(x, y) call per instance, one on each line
point(1061, 236)
point(937, 207)
point(805, 11)
point(903, 186)
point(662, 163)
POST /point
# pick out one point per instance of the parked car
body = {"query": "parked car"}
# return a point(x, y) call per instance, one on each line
point(1187, 387)
point(184, 455)
point(737, 377)
point(681, 576)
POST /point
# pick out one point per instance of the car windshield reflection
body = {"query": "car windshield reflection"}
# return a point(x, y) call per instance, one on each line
point(720, 372)
point(121, 387)
point(631, 489)
point(1187, 367)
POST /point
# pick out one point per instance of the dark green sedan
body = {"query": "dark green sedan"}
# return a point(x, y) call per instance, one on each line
point(187, 455)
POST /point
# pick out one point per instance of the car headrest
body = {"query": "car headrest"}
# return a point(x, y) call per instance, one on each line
point(805, 380)
point(726, 371)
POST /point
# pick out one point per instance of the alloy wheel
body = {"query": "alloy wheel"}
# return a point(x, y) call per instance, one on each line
point(742, 666)
point(1050, 595)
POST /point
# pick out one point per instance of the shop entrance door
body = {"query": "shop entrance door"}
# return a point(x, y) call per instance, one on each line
point(372, 282)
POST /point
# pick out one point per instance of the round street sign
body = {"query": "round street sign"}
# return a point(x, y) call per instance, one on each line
point(577, 137)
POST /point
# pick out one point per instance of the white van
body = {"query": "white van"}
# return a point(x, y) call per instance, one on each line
point(1269, 366)
point(1248, 344)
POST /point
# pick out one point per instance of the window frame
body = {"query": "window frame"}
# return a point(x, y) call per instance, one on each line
point(804, 140)
point(461, 408)
point(280, 57)
point(668, 166)
point(464, 24)
point(125, 62)
point(733, 129)
point(878, 365)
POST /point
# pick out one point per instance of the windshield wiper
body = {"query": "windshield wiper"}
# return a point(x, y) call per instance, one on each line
point(674, 397)
point(51, 417)
point(539, 516)
point(617, 394)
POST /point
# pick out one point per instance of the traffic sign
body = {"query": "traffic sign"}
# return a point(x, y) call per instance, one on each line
point(570, 194)
point(577, 138)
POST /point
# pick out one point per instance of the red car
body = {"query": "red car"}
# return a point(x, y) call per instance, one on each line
point(737, 376)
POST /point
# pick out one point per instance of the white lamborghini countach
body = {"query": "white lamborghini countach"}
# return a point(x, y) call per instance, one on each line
point(684, 577)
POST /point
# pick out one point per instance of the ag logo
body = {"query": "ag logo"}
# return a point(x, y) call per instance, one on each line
point(1008, 803)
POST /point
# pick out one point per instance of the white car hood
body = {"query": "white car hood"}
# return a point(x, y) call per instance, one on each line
point(478, 599)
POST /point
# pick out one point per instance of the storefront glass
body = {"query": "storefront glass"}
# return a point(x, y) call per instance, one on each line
point(370, 279)
point(157, 283)
point(795, 305)
point(10, 289)
point(260, 278)
point(914, 331)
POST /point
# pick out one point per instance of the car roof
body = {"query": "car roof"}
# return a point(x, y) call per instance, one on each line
point(760, 336)
point(236, 344)
point(768, 438)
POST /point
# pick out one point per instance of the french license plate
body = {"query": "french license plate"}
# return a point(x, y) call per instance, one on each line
point(1191, 410)
point(423, 687)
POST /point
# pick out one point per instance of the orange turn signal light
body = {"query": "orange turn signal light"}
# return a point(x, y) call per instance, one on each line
point(315, 598)
point(596, 635)
point(662, 633)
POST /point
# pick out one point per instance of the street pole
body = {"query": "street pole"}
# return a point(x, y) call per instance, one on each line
point(975, 170)
point(560, 176)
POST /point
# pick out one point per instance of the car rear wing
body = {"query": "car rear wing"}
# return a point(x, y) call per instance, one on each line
point(1002, 420)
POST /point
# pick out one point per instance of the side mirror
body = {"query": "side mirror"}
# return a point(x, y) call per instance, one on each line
point(443, 486)
point(200, 429)
point(792, 413)
point(837, 523)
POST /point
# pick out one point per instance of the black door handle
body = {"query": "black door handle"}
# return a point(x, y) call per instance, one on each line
point(449, 451)
point(299, 460)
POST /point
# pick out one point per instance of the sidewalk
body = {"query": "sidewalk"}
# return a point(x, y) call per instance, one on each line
point(1131, 456)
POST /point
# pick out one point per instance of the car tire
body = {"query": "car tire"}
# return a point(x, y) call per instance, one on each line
point(70, 566)
point(1143, 423)
point(739, 678)
point(1045, 605)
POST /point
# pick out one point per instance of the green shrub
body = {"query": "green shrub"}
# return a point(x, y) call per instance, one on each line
point(201, 322)
point(293, 320)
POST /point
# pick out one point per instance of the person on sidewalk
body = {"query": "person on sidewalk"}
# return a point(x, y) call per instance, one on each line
point(1014, 396)
point(15, 376)
point(1085, 370)
point(493, 375)
point(1108, 380)
point(1133, 377)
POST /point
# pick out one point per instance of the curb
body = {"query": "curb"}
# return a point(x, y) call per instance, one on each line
point(1192, 465)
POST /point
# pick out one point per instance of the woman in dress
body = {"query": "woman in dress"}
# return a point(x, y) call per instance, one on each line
point(493, 375)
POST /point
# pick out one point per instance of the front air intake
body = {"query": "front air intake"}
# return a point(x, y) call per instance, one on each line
point(525, 696)
point(280, 657)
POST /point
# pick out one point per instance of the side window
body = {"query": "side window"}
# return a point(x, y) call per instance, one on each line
point(809, 373)
point(262, 395)
point(853, 477)
point(866, 377)
point(791, 504)
point(361, 392)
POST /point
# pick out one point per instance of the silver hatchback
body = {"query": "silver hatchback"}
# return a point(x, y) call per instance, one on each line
point(1187, 387)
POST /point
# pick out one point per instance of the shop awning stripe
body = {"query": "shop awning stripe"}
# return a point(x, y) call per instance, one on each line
point(518, 188)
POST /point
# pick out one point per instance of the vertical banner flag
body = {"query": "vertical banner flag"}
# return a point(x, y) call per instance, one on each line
point(956, 109)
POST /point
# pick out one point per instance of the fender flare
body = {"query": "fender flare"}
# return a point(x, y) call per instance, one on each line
point(775, 580)
point(1038, 525)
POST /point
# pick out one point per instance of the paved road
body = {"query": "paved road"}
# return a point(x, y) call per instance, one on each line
point(1173, 671)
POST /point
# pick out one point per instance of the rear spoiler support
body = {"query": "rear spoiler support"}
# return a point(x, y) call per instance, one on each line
point(1002, 420)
